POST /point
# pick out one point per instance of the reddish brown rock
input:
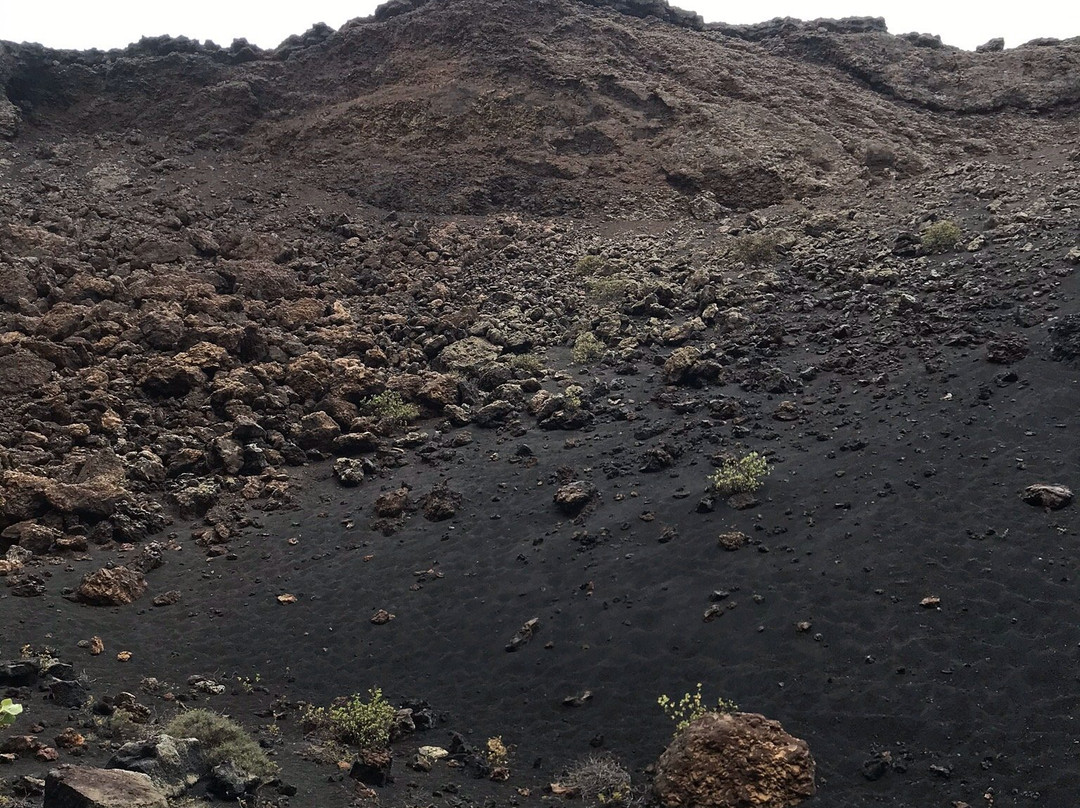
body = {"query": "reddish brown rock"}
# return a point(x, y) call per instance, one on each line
point(32, 536)
point(112, 587)
point(734, 760)
point(573, 497)
point(393, 503)
point(318, 431)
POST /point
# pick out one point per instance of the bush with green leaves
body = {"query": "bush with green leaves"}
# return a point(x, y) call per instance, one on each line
point(692, 707)
point(590, 265)
point(389, 406)
point(740, 475)
point(9, 711)
point(587, 349)
point(360, 722)
point(609, 288)
point(527, 364)
point(755, 249)
point(941, 236)
point(222, 741)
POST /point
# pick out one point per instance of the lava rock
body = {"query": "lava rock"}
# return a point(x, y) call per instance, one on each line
point(1006, 349)
point(84, 787)
point(372, 767)
point(111, 587)
point(1045, 495)
point(734, 760)
point(349, 471)
point(173, 764)
point(572, 498)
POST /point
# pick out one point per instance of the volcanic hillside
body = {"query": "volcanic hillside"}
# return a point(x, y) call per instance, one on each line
point(325, 328)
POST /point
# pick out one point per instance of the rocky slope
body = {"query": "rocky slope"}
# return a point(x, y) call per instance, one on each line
point(216, 262)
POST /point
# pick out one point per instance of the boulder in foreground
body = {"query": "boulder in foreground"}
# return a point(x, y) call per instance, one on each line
point(83, 787)
point(734, 760)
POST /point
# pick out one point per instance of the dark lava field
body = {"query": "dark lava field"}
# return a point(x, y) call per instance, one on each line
point(401, 356)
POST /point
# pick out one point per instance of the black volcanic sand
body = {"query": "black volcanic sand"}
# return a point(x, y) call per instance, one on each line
point(976, 697)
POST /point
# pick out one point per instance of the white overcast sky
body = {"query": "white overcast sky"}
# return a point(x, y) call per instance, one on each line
point(114, 23)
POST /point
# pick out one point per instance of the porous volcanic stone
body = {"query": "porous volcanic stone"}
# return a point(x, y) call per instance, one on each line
point(734, 760)
point(112, 587)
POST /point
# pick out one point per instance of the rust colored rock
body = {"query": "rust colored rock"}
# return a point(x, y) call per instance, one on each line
point(372, 767)
point(112, 587)
point(734, 760)
point(69, 738)
point(441, 503)
point(572, 498)
point(392, 504)
point(439, 391)
point(35, 537)
point(318, 431)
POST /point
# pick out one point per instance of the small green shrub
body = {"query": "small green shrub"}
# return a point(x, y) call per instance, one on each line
point(356, 721)
point(587, 349)
point(600, 780)
point(529, 364)
point(692, 707)
point(755, 249)
point(390, 407)
point(941, 236)
point(222, 741)
point(572, 397)
point(613, 287)
point(740, 475)
point(9, 711)
point(590, 265)
point(123, 726)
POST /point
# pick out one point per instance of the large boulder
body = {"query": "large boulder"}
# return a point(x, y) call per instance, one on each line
point(572, 498)
point(97, 492)
point(678, 368)
point(318, 431)
point(112, 587)
point(23, 372)
point(469, 354)
point(173, 764)
point(84, 787)
point(734, 760)
point(30, 535)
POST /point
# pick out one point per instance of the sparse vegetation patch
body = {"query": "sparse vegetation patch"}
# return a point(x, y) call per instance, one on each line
point(599, 780)
point(587, 349)
point(223, 741)
point(740, 475)
point(360, 722)
point(692, 707)
point(390, 406)
point(941, 236)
